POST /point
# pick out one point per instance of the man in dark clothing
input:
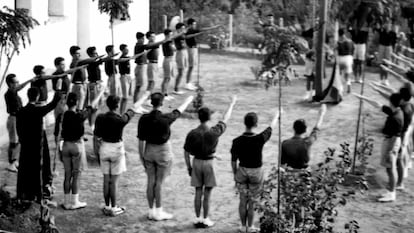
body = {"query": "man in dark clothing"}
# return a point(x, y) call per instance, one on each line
point(360, 38)
point(201, 142)
point(345, 57)
point(155, 151)
point(13, 105)
point(168, 50)
point(296, 150)
point(392, 131)
point(33, 140)
point(387, 40)
point(109, 130)
point(248, 174)
point(111, 71)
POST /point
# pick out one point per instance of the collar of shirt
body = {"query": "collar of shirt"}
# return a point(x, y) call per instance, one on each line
point(248, 134)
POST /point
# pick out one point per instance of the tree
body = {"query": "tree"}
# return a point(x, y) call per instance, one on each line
point(14, 31)
point(116, 9)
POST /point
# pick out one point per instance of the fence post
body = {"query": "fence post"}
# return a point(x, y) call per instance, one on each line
point(165, 22)
point(181, 15)
point(230, 30)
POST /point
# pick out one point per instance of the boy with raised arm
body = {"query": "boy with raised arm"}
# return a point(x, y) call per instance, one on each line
point(296, 151)
point(201, 142)
point(248, 174)
point(190, 39)
point(155, 151)
point(168, 49)
point(393, 130)
point(109, 129)
point(13, 106)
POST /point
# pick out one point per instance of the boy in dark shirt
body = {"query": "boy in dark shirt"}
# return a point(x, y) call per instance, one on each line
point(168, 49)
point(13, 105)
point(393, 130)
point(345, 57)
point(248, 174)
point(201, 142)
point(40, 81)
point(360, 38)
point(296, 150)
point(125, 79)
point(111, 71)
point(155, 151)
point(387, 40)
point(181, 57)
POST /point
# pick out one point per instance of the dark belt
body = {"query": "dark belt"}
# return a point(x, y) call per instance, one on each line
point(78, 83)
point(209, 157)
point(169, 56)
point(13, 114)
point(96, 82)
point(181, 49)
point(192, 47)
point(153, 61)
point(108, 141)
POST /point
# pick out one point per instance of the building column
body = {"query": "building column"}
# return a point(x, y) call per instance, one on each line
point(84, 25)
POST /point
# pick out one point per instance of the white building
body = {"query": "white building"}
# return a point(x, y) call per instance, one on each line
point(64, 23)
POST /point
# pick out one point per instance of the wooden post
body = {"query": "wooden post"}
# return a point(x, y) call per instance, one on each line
point(320, 51)
point(165, 22)
point(181, 15)
point(230, 30)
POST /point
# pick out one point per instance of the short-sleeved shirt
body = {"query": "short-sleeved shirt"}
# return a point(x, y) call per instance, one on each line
point(191, 42)
point(41, 85)
point(73, 125)
point(140, 48)
point(79, 75)
point(168, 49)
point(124, 66)
point(248, 148)
point(296, 150)
point(13, 101)
point(408, 110)
point(202, 141)
point(110, 67)
point(387, 38)
point(152, 55)
point(65, 82)
point(94, 72)
point(109, 126)
point(180, 43)
point(359, 36)
point(154, 127)
point(345, 48)
point(395, 122)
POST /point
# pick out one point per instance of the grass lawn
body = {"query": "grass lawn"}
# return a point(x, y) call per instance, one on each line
point(222, 76)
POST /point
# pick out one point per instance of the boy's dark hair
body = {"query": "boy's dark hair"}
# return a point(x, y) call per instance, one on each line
point(112, 102)
point(156, 99)
point(72, 99)
point(122, 47)
point(73, 49)
point(148, 34)
point(204, 114)
point(109, 48)
point(299, 126)
point(90, 50)
point(341, 32)
point(139, 35)
point(58, 60)
point(37, 70)
point(269, 15)
point(9, 78)
point(179, 25)
point(250, 120)
point(32, 94)
point(405, 93)
point(190, 21)
point(395, 99)
point(310, 54)
point(167, 31)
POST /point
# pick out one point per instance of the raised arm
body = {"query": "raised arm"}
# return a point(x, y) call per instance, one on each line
point(395, 66)
point(71, 71)
point(21, 86)
point(184, 106)
point(368, 100)
point(124, 59)
point(230, 109)
point(322, 112)
point(275, 119)
point(398, 76)
point(107, 58)
point(383, 93)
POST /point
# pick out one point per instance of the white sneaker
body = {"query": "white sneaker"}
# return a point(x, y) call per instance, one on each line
point(76, 204)
point(207, 222)
point(197, 220)
point(178, 92)
point(190, 87)
point(400, 187)
point(253, 229)
point(388, 197)
point(12, 168)
point(151, 213)
point(117, 210)
point(161, 215)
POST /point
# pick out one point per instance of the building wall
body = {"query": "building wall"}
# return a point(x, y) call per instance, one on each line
point(71, 22)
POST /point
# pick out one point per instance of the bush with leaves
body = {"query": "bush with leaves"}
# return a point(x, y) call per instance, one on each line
point(308, 198)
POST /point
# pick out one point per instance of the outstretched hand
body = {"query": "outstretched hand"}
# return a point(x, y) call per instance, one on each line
point(322, 110)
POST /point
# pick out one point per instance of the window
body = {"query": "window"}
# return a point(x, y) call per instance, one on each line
point(56, 8)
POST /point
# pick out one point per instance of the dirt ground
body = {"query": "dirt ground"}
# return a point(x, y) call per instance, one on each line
point(223, 76)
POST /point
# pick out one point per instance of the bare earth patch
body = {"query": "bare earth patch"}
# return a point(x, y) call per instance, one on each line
point(221, 77)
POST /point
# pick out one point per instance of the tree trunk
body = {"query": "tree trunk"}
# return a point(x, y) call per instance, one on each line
point(112, 31)
point(7, 67)
point(320, 52)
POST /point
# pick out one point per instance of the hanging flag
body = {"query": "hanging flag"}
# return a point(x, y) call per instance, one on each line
point(334, 91)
